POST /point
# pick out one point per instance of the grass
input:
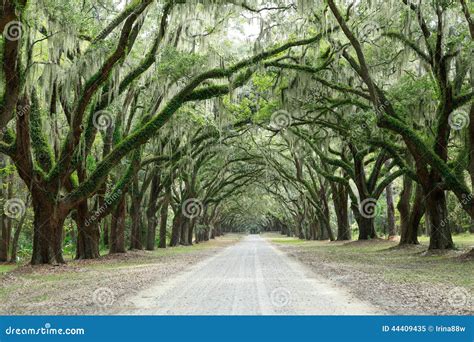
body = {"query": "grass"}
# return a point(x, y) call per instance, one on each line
point(150, 257)
point(42, 284)
point(7, 268)
point(41, 298)
point(289, 241)
point(145, 258)
point(395, 264)
point(5, 292)
point(464, 240)
point(45, 278)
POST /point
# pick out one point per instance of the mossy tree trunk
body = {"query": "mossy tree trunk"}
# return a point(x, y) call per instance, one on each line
point(117, 229)
point(151, 212)
point(16, 238)
point(48, 230)
point(5, 222)
point(410, 215)
point(135, 214)
point(164, 218)
point(440, 231)
point(176, 229)
point(88, 235)
point(340, 197)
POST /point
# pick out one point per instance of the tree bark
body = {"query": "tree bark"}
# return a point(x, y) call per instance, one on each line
point(440, 232)
point(176, 230)
point(403, 207)
point(183, 239)
point(16, 238)
point(339, 196)
point(117, 231)
point(105, 231)
point(48, 230)
point(5, 222)
point(326, 224)
point(191, 224)
point(151, 212)
point(391, 229)
point(4, 238)
point(88, 234)
point(136, 232)
point(164, 219)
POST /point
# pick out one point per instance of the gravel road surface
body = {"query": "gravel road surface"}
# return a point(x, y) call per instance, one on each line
point(251, 277)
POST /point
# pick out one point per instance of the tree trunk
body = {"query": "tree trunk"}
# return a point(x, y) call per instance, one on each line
point(88, 234)
point(48, 231)
point(403, 207)
point(151, 212)
point(366, 229)
point(108, 142)
point(440, 233)
point(176, 230)
point(189, 239)
point(417, 212)
point(365, 224)
point(135, 234)
point(339, 196)
point(5, 222)
point(4, 237)
point(326, 224)
point(151, 232)
point(390, 209)
point(313, 230)
point(105, 231)
point(183, 240)
point(164, 220)
point(135, 204)
point(117, 229)
point(16, 237)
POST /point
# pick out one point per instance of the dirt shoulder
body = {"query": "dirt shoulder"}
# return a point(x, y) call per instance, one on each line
point(99, 286)
point(401, 281)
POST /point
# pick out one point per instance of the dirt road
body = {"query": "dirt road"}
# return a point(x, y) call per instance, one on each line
point(249, 278)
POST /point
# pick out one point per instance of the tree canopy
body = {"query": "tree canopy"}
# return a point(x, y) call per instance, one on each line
point(121, 118)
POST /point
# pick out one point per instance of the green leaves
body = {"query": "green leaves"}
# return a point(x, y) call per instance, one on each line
point(175, 64)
